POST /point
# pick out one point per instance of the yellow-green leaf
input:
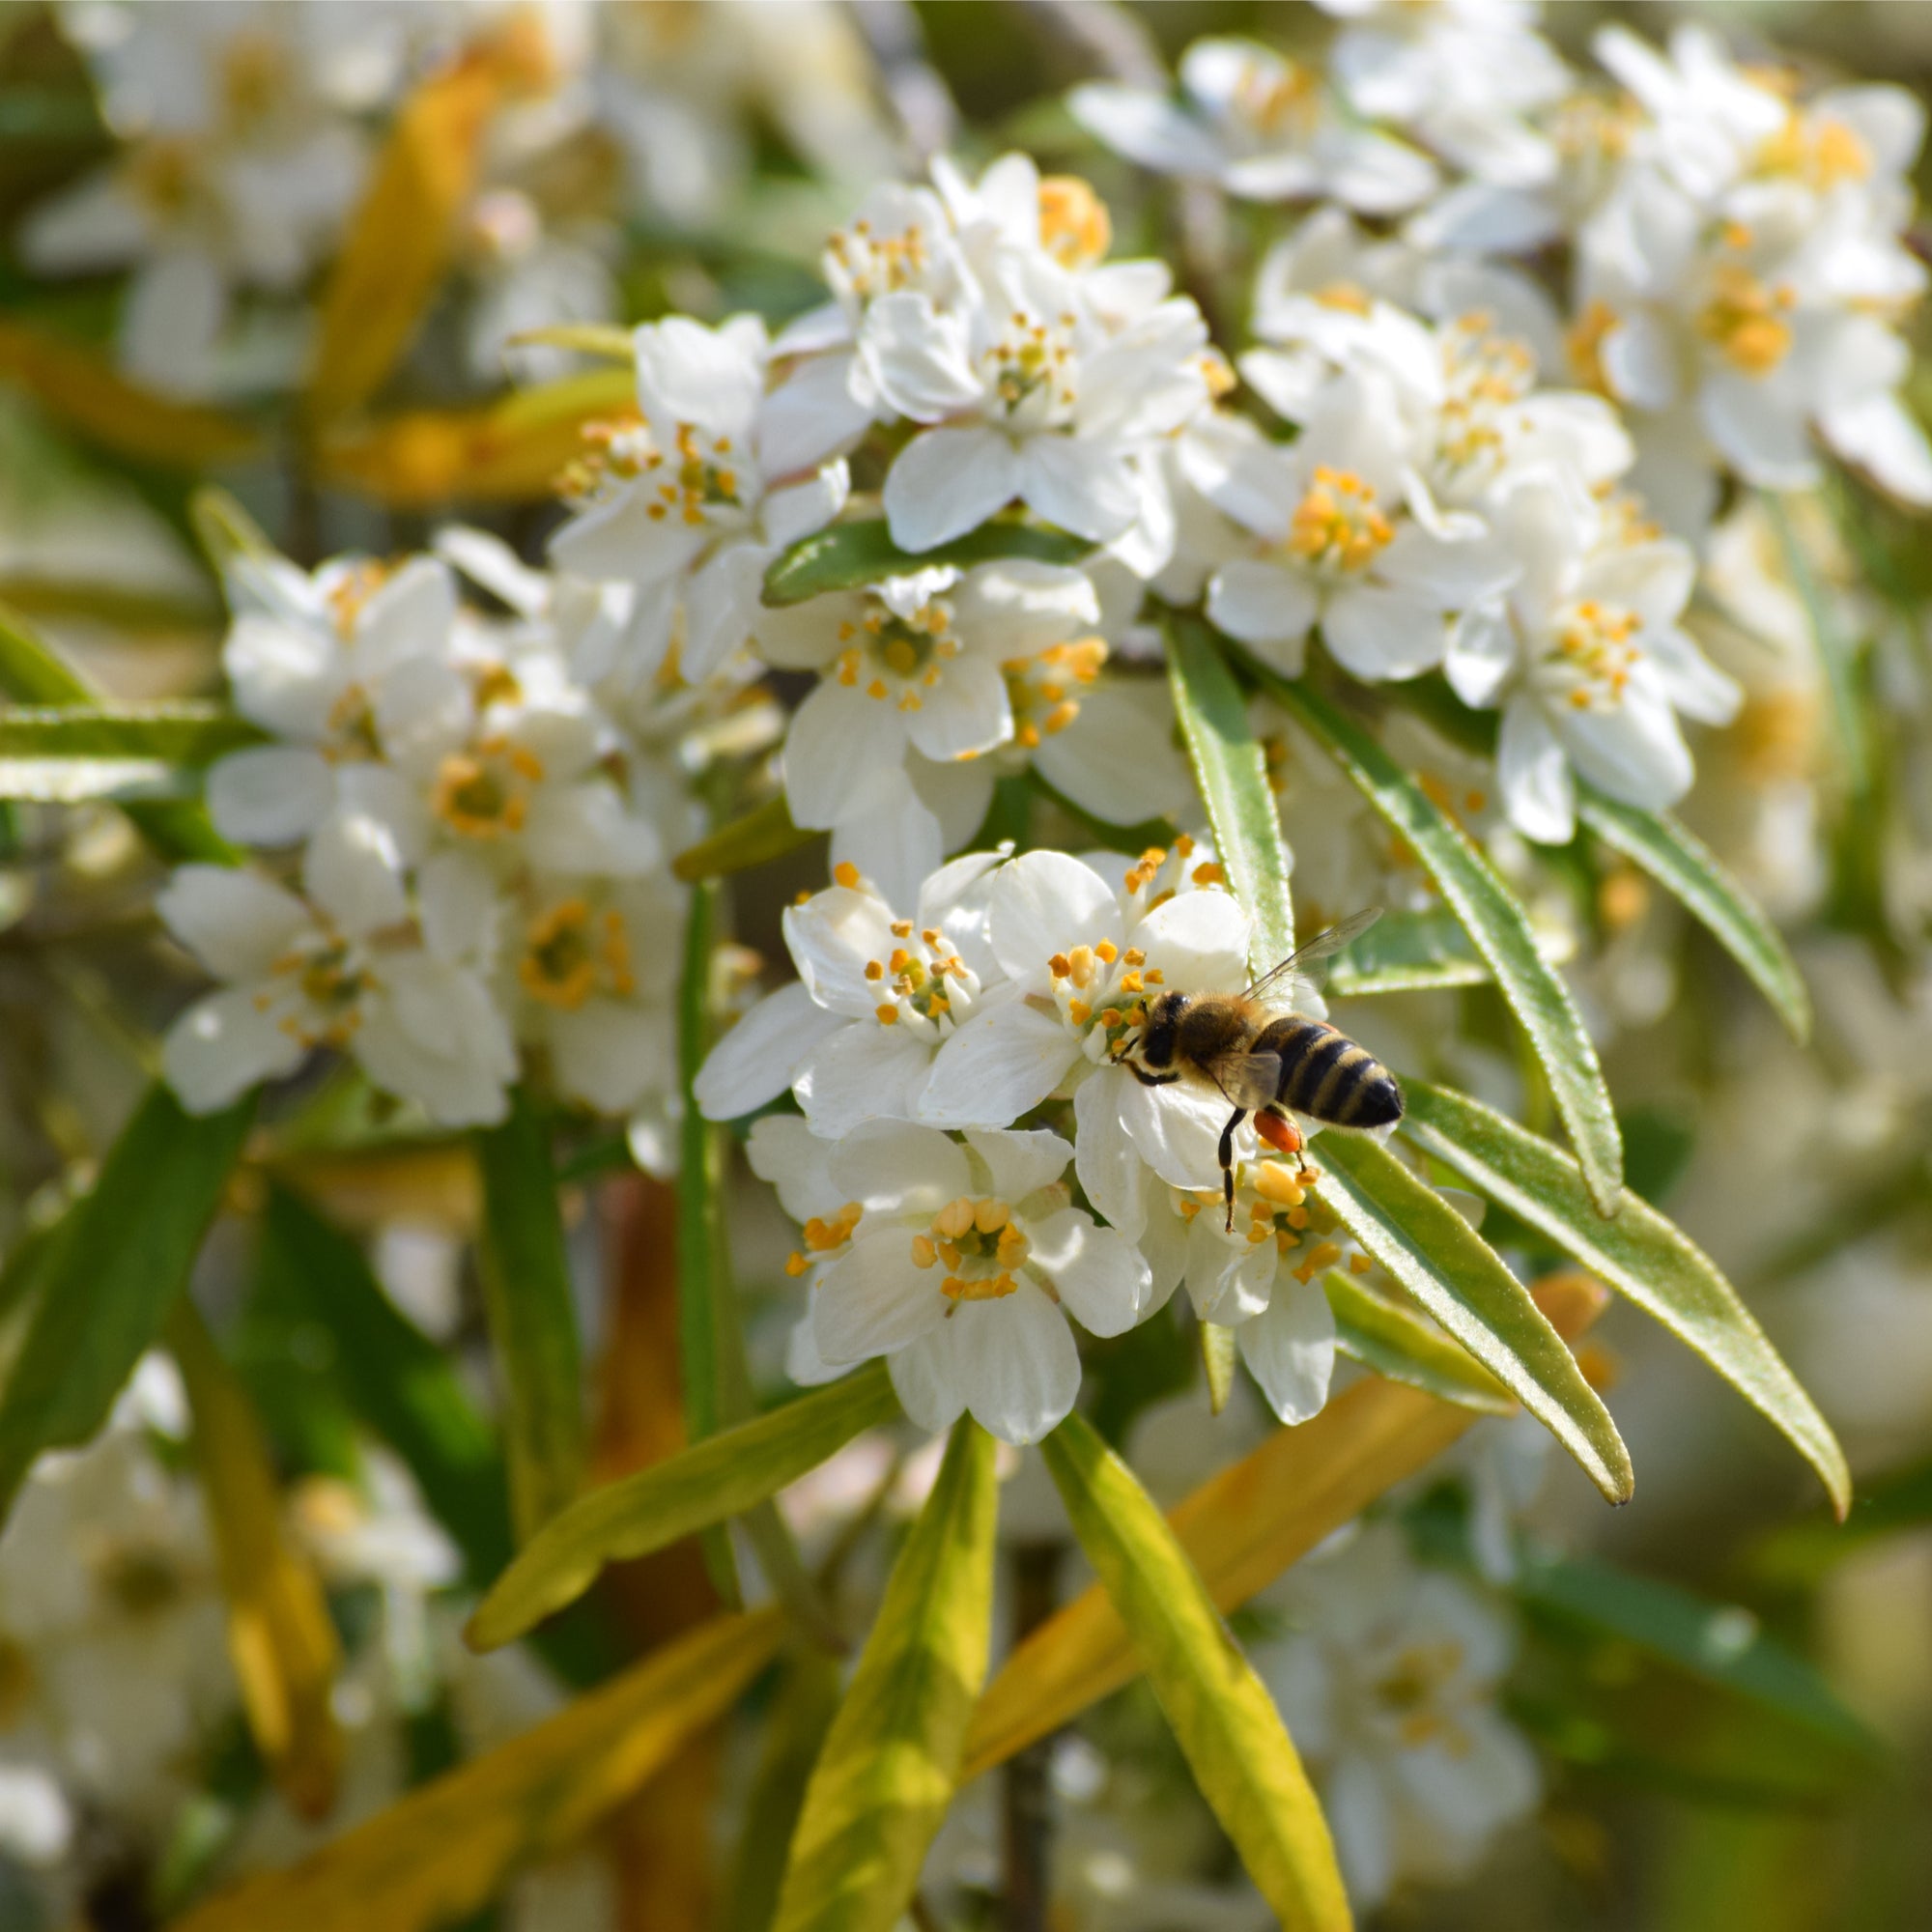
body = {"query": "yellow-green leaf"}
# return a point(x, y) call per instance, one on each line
point(1231, 773)
point(179, 732)
point(446, 1850)
point(1398, 1344)
point(81, 389)
point(587, 338)
point(1407, 952)
point(715, 1479)
point(1640, 1254)
point(1241, 1530)
point(795, 1730)
point(1493, 921)
point(1227, 1726)
point(280, 1636)
point(1459, 1278)
point(891, 1762)
point(765, 832)
point(848, 556)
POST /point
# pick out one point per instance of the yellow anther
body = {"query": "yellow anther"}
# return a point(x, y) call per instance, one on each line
point(990, 1216)
point(885, 1016)
point(1275, 1182)
point(955, 1219)
point(923, 1253)
point(846, 874)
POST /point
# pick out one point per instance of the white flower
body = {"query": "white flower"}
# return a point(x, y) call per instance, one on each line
point(1585, 655)
point(1350, 541)
point(686, 509)
point(961, 1259)
point(877, 997)
point(1389, 1687)
point(1261, 125)
point(416, 1015)
point(1079, 954)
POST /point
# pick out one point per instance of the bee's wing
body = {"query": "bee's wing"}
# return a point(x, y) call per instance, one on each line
point(1249, 1080)
point(1323, 946)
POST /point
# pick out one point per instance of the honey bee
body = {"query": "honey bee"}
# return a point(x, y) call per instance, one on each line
point(1264, 1057)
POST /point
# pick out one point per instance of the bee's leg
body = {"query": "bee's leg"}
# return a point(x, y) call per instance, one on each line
point(1146, 1078)
point(1234, 1119)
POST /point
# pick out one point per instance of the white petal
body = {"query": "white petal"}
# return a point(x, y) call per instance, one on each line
point(833, 937)
point(1144, 126)
point(704, 377)
point(1112, 1174)
point(929, 1390)
point(353, 870)
point(424, 711)
point(221, 1046)
point(588, 828)
point(1118, 759)
point(812, 414)
point(948, 481)
point(270, 794)
point(456, 900)
point(892, 1167)
point(1020, 1163)
point(1003, 1062)
point(897, 840)
point(288, 677)
point(918, 359)
point(1535, 775)
point(1100, 1276)
point(1016, 1361)
point(863, 1072)
point(173, 318)
point(1043, 903)
point(1027, 605)
point(800, 508)
point(1637, 753)
point(1879, 432)
point(875, 1299)
point(1265, 606)
point(1177, 1129)
point(1197, 941)
point(409, 615)
point(1765, 439)
point(616, 537)
point(968, 711)
point(1378, 633)
point(784, 1150)
point(1481, 653)
point(753, 1063)
point(1080, 486)
point(839, 752)
point(236, 923)
point(608, 1053)
point(1289, 1349)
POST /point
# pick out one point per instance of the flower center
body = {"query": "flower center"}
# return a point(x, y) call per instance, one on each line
point(893, 657)
point(980, 1243)
point(162, 175)
point(1042, 689)
point(137, 1580)
point(1409, 1691)
point(1595, 651)
point(255, 82)
point(1816, 150)
point(1034, 362)
point(1074, 228)
point(1277, 102)
point(1337, 525)
point(1351, 298)
point(1485, 374)
point(485, 793)
point(1743, 320)
point(329, 983)
point(921, 982)
point(874, 264)
point(570, 954)
point(702, 478)
point(1583, 340)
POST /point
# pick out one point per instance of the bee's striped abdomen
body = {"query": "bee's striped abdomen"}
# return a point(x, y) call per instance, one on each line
point(1326, 1076)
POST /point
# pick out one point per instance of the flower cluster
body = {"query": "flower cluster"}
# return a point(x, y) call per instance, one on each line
point(475, 844)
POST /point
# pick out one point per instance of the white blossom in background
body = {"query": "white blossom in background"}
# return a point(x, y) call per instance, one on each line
point(1264, 127)
point(962, 1258)
point(1388, 1686)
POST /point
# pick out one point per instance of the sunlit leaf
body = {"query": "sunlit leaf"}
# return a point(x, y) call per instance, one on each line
point(280, 1633)
point(1494, 922)
point(1685, 868)
point(1226, 1723)
point(1640, 1254)
point(117, 1262)
point(1389, 1339)
point(1241, 1530)
point(178, 732)
point(765, 832)
point(1456, 1276)
point(795, 1731)
point(719, 1477)
point(1231, 773)
point(527, 1294)
point(152, 612)
point(125, 782)
point(850, 555)
point(447, 1849)
point(89, 396)
point(1407, 952)
point(1217, 1363)
point(586, 338)
point(224, 529)
point(511, 451)
point(891, 1760)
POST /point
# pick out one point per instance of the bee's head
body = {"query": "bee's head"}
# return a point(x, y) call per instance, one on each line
point(1157, 1035)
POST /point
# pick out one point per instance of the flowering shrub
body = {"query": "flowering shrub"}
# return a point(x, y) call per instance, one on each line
point(752, 901)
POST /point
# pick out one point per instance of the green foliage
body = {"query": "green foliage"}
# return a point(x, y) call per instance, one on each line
point(848, 556)
point(1453, 1273)
point(1222, 1716)
point(1389, 1339)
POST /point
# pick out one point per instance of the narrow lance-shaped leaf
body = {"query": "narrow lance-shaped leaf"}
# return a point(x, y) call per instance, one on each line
point(795, 1730)
point(117, 1262)
point(526, 1274)
point(443, 1852)
point(1494, 922)
point(848, 556)
point(765, 832)
point(1232, 773)
point(1837, 654)
point(179, 733)
point(1241, 1529)
point(1395, 1344)
point(1228, 1728)
point(280, 1635)
point(1454, 1274)
point(1640, 1254)
point(1685, 868)
point(715, 1479)
point(891, 1762)
point(1407, 952)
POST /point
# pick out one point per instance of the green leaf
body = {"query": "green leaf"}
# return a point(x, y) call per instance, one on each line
point(715, 1479)
point(762, 833)
point(1494, 922)
point(1217, 1361)
point(848, 556)
point(795, 1730)
point(1837, 654)
point(224, 529)
point(135, 784)
point(527, 1295)
point(891, 1759)
point(1640, 1254)
point(1685, 868)
point(399, 1382)
point(1455, 1274)
point(1226, 1727)
point(1394, 1342)
point(1407, 952)
point(118, 1258)
point(174, 734)
point(1232, 772)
